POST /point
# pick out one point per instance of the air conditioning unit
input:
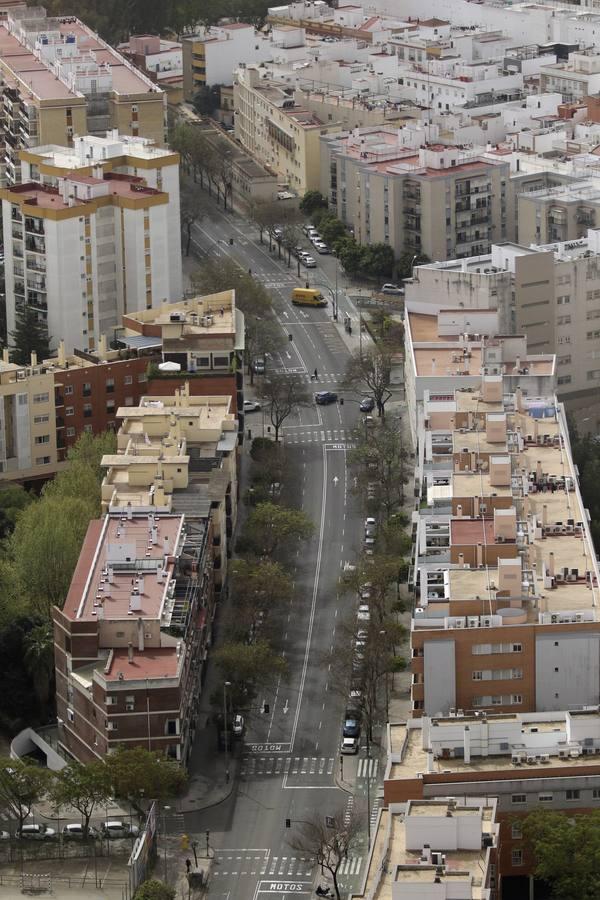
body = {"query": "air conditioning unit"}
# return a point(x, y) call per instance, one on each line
point(486, 621)
point(472, 621)
point(554, 619)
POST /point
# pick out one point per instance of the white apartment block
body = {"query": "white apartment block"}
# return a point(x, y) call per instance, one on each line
point(92, 234)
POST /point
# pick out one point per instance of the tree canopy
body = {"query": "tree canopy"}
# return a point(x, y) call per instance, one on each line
point(371, 370)
point(567, 852)
point(30, 336)
point(138, 775)
point(82, 787)
point(283, 395)
point(312, 201)
point(273, 528)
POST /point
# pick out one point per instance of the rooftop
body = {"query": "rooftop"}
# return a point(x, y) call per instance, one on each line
point(152, 662)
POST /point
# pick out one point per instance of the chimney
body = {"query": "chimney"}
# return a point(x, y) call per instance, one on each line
point(62, 356)
point(34, 359)
point(129, 510)
point(130, 652)
point(461, 559)
point(551, 563)
point(166, 546)
point(426, 854)
point(545, 514)
point(140, 584)
point(538, 470)
point(479, 555)
point(467, 744)
point(519, 399)
point(154, 534)
point(140, 626)
point(135, 601)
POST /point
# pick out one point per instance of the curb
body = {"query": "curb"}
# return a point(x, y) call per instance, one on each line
point(225, 796)
point(343, 786)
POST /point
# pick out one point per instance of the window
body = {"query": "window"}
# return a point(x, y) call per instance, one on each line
point(477, 676)
point(564, 360)
point(563, 320)
point(70, 432)
point(142, 378)
point(88, 429)
point(518, 798)
point(516, 699)
point(42, 439)
point(573, 794)
point(563, 379)
point(41, 398)
point(69, 410)
point(87, 410)
point(517, 857)
point(42, 461)
point(41, 420)
point(596, 794)
point(566, 339)
point(111, 699)
point(128, 380)
point(516, 831)
point(110, 385)
point(110, 406)
point(594, 375)
point(561, 301)
point(545, 797)
point(68, 390)
point(171, 726)
point(220, 362)
point(87, 389)
point(130, 702)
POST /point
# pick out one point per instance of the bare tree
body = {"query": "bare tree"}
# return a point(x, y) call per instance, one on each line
point(265, 216)
point(371, 370)
point(190, 212)
point(328, 840)
point(284, 394)
point(379, 458)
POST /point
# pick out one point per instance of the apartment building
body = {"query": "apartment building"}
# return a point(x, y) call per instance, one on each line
point(180, 453)
point(391, 188)
point(504, 566)
point(435, 848)
point(282, 135)
point(161, 60)
point(28, 437)
point(212, 55)
point(130, 642)
point(91, 235)
point(527, 761)
point(559, 213)
point(549, 292)
point(451, 349)
point(575, 78)
point(60, 79)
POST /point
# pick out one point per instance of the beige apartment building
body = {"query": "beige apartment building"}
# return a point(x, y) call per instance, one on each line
point(560, 213)
point(436, 200)
point(282, 135)
point(59, 79)
point(548, 292)
point(28, 436)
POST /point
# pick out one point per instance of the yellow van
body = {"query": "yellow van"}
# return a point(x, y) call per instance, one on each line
point(308, 297)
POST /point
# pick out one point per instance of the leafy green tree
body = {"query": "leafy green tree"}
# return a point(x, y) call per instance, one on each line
point(30, 336)
point(567, 852)
point(155, 890)
point(312, 201)
point(82, 787)
point(350, 254)
point(283, 395)
point(378, 260)
point(257, 586)
point(13, 498)
point(248, 668)
point(273, 528)
point(381, 458)
point(332, 229)
point(137, 774)
point(22, 783)
point(18, 704)
point(371, 370)
point(407, 261)
point(38, 657)
point(207, 99)
point(89, 450)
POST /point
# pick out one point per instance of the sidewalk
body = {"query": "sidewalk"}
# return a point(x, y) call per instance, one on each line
point(210, 784)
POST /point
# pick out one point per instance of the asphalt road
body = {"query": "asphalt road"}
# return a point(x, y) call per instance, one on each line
point(291, 756)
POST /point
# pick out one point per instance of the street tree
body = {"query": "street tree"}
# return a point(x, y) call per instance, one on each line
point(567, 852)
point(258, 586)
point(190, 212)
point(137, 775)
point(349, 253)
point(312, 201)
point(153, 889)
point(380, 574)
point(38, 658)
point(380, 460)
point(82, 787)
point(265, 215)
point(264, 337)
point(223, 177)
point(371, 370)
point(248, 668)
point(207, 99)
point(332, 229)
point(378, 260)
point(407, 261)
point(181, 139)
point(272, 529)
point(22, 783)
point(328, 839)
point(283, 395)
point(223, 274)
point(30, 336)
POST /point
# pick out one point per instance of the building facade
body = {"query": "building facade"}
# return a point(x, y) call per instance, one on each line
point(212, 54)
point(87, 240)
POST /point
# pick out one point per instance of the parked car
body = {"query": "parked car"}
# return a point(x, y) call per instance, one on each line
point(363, 614)
point(251, 406)
point(74, 832)
point(4, 836)
point(40, 832)
point(310, 262)
point(367, 405)
point(351, 725)
point(392, 289)
point(349, 746)
point(116, 828)
point(323, 398)
point(258, 366)
point(238, 725)
point(321, 247)
point(307, 228)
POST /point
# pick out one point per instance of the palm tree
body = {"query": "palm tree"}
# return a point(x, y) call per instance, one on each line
point(38, 657)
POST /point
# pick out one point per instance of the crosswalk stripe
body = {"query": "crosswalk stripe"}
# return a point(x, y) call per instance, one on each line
point(351, 865)
point(367, 768)
point(280, 765)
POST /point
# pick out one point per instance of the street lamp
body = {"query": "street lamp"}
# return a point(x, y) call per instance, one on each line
point(166, 809)
point(226, 684)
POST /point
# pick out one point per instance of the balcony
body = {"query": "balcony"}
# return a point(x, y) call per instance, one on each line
point(34, 226)
point(35, 265)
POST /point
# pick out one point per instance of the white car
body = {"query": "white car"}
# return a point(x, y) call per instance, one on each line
point(392, 289)
point(39, 832)
point(310, 262)
point(238, 725)
point(363, 614)
point(119, 829)
point(321, 247)
point(74, 832)
point(370, 521)
point(349, 746)
point(251, 406)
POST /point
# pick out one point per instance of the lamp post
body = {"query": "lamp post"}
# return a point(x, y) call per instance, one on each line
point(226, 684)
point(166, 809)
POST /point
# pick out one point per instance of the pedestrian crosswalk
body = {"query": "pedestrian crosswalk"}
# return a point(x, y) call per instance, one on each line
point(299, 435)
point(239, 862)
point(349, 809)
point(374, 814)
point(368, 768)
point(286, 765)
point(350, 866)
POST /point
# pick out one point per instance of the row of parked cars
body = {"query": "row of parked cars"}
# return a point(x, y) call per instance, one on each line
point(112, 829)
point(315, 238)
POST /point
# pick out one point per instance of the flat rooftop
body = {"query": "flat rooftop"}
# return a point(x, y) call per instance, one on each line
point(476, 484)
point(124, 548)
point(154, 662)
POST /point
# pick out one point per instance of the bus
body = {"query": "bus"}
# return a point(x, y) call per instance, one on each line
point(308, 297)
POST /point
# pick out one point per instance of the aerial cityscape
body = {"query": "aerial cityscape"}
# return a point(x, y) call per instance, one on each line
point(300, 450)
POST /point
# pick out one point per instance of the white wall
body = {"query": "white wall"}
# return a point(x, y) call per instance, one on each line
point(439, 676)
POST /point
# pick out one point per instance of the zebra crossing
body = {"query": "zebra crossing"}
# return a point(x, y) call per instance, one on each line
point(350, 866)
point(317, 435)
point(261, 864)
point(368, 768)
point(349, 809)
point(374, 814)
point(286, 765)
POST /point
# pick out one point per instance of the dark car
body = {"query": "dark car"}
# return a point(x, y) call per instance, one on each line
point(351, 725)
point(367, 404)
point(325, 397)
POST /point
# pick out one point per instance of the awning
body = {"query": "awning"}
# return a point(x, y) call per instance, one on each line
point(228, 441)
point(139, 341)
